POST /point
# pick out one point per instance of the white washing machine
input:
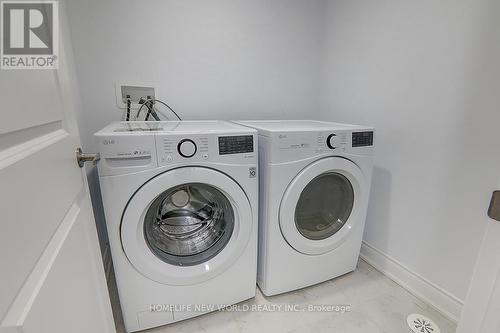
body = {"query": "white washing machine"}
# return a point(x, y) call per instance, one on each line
point(180, 200)
point(314, 187)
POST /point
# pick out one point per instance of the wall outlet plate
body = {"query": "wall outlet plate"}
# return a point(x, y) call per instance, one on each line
point(136, 90)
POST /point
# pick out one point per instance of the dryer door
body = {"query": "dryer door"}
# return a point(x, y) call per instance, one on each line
point(321, 205)
point(186, 225)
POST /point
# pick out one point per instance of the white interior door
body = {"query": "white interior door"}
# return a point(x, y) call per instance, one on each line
point(482, 305)
point(52, 278)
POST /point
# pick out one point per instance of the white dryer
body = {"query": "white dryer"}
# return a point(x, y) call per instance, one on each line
point(314, 187)
point(180, 201)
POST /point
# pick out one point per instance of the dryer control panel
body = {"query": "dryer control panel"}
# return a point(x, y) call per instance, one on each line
point(282, 141)
point(291, 146)
point(312, 141)
point(362, 139)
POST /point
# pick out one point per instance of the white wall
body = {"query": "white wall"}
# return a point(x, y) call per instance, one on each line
point(413, 70)
point(226, 59)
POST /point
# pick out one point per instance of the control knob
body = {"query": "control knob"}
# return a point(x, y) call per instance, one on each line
point(186, 148)
point(330, 141)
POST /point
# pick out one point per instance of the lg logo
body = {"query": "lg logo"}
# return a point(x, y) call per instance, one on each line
point(108, 142)
point(29, 34)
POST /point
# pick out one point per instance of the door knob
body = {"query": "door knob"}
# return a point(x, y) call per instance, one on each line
point(82, 157)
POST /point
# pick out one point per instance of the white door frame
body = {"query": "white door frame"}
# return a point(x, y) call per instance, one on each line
point(481, 310)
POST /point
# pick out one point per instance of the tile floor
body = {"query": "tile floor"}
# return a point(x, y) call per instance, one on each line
point(378, 305)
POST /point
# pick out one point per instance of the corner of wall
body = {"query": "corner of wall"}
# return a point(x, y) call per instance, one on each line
point(444, 302)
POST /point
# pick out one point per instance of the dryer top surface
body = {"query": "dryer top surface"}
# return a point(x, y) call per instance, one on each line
point(298, 125)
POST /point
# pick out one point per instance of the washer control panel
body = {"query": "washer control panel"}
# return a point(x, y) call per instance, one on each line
point(177, 148)
point(128, 147)
point(204, 148)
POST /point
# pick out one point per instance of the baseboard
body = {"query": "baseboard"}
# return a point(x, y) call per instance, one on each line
point(444, 302)
point(107, 262)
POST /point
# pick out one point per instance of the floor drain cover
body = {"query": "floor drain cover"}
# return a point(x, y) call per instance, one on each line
point(422, 324)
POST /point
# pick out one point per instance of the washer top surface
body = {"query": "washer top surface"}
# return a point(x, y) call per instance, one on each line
point(139, 127)
point(297, 125)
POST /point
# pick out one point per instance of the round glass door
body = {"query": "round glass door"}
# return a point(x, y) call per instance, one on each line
point(188, 224)
point(324, 206)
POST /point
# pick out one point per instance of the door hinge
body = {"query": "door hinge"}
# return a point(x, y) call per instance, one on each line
point(494, 210)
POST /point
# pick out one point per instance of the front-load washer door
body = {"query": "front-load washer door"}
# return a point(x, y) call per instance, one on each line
point(321, 205)
point(186, 225)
